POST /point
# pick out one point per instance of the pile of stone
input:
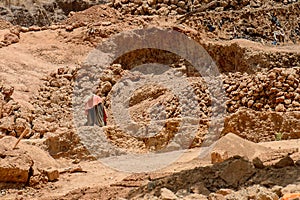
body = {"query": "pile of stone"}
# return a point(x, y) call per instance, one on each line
point(172, 7)
point(153, 7)
point(179, 7)
point(14, 119)
point(274, 90)
point(52, 117)
point(259, 25)
point(277, 89)
point(53, 103)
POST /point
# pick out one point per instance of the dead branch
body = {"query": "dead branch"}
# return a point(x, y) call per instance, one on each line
point(25, 132)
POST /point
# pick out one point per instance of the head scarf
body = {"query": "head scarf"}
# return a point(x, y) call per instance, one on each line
point(93, 101)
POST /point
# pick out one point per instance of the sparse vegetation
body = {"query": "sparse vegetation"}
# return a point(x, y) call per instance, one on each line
point(278, 136)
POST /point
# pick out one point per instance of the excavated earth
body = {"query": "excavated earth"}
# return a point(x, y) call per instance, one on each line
point(45, 59)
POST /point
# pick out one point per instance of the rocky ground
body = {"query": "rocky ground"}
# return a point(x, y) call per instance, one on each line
point(44, 48)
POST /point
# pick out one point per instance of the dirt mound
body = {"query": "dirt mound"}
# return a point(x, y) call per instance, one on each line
point(101, 14)
point(41, 13)
point(231, 145)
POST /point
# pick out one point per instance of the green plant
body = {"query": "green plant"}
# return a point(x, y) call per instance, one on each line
point(278, 136)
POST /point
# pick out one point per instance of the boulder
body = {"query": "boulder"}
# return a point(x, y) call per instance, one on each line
point(7, 123)
point(25, 162)
point(15, 168)
point(52, 174)
point(166, 194)
point(15, 165)
point(237, 171)
point(10, 38)
point(258, 163)
point(284, 162)
point(218, 156)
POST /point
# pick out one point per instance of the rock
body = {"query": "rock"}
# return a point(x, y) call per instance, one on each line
point(292, 196)
point(250, 103)
point(52, 174)
point(258, 163)
point(182, 193)
point(181, 4)
point(10, 107)
point(15, 165)
point(24, 29)
point(291, 189)
point(224, 192)
point(280, 108)
point(214, 196)
point(174, 2)
point(138, 2)
point(7, 123)
point(280, 99)
point(297, 163)
point(25, 162)
point(10, 38)
point(277, 190)
point(195, 197)
point(166, 194)
point(15, 168)
point(20, 125)
point(266, 196)
point(69, 28)
point(237, 171)
point(164, 11)
point(42, 126)
point(7, 91)
point(284, 162)
point(106, 87)
point(106, 23)
point(218, 156)
point(200, 188)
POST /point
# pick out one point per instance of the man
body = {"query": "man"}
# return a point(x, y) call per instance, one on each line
point(94, 109)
